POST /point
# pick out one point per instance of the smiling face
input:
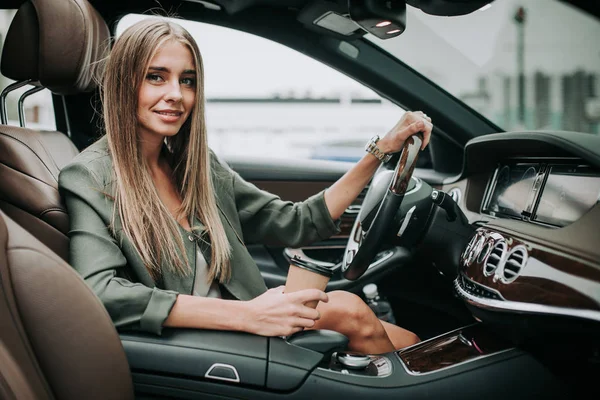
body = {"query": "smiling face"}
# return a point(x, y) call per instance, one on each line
point(168, 92)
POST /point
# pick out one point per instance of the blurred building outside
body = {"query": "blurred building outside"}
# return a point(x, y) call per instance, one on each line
point(552, 102)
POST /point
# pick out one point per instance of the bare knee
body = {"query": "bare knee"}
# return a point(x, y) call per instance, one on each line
point(411, 339)
point(399, 336)
point(357, 317)
point(349, 305)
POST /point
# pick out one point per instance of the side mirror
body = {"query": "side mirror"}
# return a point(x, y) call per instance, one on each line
point(384, 19)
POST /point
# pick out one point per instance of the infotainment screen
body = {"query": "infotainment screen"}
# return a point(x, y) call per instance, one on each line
point(512, 189)
point(570, 191)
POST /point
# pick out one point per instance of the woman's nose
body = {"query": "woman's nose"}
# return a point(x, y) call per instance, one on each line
point(173, 92)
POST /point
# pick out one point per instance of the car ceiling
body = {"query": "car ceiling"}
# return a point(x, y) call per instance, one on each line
point(434, 7)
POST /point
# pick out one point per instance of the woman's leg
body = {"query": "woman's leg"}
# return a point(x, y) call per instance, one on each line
point(350, 315)
point(399, 337)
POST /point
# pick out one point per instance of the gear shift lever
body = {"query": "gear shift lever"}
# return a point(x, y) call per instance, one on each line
point(353, 360)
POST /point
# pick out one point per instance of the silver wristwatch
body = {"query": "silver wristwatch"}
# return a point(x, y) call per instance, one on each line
point(372, 148)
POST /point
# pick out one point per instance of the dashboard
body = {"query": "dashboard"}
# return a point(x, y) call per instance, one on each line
point(534, 201)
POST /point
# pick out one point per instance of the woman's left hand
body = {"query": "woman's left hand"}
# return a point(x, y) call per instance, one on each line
point(410, 123)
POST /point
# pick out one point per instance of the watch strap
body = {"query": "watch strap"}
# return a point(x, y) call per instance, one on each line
point(372, 148)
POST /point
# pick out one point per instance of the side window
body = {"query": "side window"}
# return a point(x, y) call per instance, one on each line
point(264, 99)
point(38, 108)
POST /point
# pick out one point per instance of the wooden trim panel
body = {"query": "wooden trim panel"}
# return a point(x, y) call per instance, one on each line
point(547, 277)
point(451, 349)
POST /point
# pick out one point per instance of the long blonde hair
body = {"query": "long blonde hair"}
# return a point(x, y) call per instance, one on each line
point(145, 220)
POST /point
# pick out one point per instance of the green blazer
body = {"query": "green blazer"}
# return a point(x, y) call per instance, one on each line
point(113, 268)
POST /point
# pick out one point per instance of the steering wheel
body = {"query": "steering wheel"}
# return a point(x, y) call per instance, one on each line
point(379, 208)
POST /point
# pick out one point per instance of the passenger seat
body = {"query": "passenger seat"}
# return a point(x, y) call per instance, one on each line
point(58, 45)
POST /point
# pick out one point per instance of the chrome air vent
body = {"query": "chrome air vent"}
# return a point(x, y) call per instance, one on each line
point(468, 255)
point(495, 258)
point(487, 247)
point(516, 260)
point(465, 255)
point(471, 243)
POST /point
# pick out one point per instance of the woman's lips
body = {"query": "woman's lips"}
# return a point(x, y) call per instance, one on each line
point(169, 116)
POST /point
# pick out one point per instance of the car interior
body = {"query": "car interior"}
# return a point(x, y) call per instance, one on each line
point(486, 243)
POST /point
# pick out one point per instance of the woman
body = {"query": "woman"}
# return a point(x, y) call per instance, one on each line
point(159, 225)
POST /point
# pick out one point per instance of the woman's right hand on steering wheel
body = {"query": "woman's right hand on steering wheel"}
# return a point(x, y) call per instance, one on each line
point(275, 313)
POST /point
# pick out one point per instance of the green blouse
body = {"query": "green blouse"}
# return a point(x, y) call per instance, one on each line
point(114, 270)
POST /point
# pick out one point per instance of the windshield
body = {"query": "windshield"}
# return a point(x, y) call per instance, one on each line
point(522, 64)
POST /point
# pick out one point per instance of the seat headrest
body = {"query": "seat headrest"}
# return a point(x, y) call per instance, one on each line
point(57, 43)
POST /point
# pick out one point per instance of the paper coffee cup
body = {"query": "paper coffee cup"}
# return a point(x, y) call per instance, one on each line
point(306, 275)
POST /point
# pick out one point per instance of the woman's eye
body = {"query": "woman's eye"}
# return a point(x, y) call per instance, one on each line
point(188, 81)
point(154, 77)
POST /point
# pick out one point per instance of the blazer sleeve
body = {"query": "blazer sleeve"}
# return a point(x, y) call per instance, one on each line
point(265, 218)
point(99, 259)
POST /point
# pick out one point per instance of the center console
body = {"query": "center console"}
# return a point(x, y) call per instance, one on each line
point(461, 364)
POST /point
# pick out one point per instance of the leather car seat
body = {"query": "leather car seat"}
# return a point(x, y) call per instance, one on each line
point(58, 45)
point(56, 339)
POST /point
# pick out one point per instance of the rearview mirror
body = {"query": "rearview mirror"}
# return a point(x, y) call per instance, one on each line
point(382, 18)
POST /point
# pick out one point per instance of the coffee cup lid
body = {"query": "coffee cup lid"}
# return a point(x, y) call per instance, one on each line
point(311, 266)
